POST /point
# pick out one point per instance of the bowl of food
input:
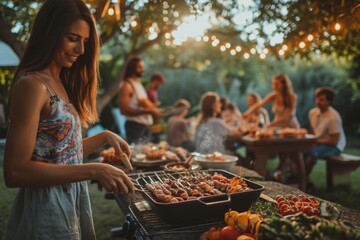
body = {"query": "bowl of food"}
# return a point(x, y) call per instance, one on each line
point(216, 160)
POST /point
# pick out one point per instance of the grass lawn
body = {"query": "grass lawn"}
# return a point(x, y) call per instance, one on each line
point(107, 214)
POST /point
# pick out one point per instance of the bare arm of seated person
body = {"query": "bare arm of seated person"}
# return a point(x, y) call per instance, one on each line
point(332, 140)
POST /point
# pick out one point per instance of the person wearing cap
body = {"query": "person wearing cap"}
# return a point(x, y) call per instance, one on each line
point(178, 134)
point(156, 81)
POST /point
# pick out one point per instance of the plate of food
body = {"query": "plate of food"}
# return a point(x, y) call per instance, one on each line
point(153, 157)
point(216, 160)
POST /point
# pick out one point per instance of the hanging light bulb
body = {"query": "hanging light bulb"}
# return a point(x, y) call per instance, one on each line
point(133, 23)
point(337, 26)
point(111, 11)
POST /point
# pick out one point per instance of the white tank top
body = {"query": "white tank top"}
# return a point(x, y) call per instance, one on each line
point(139, 93)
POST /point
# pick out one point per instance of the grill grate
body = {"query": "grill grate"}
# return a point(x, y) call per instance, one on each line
point(153, 226)
point(149, 225)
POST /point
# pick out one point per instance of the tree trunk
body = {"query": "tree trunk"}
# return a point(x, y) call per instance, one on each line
point(10, 39)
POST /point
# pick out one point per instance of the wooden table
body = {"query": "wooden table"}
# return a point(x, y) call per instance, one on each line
point(294, 146)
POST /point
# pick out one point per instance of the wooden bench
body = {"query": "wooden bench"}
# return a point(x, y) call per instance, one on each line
point(339, 168)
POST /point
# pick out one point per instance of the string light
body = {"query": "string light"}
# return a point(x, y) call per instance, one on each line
point(284, 47)
point(198, 38)
point(167, 35)
point(133, 23)
point(246, 55)
point(337, 26)
point(302, 44)
point(238, 48)
point(233, 52)
point(111, 11)
point(281, 52)
point(227, 45)
point(222, 48)
point(253, 51)
point(262, 55)
point(310, 37)
point(205, 38)
point(266, 51)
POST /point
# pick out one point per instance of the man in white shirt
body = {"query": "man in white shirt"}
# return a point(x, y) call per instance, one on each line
point(326, 124)
point(135, 105)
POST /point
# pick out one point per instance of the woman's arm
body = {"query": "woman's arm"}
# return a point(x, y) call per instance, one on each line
point(269, 98)
point(21, 171)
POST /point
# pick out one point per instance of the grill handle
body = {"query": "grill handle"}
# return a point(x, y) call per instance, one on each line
point(213, 201)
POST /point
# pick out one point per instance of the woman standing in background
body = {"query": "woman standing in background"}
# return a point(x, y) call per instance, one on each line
point(284, 108)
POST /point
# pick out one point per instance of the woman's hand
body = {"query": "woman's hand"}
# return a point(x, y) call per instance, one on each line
point(121, 148)
point(119, 144)
point(114, 179)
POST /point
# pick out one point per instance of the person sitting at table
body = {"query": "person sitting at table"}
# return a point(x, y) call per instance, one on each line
point(178, 133)
point(326, 124)
point(231, 115)
point(211, 131)
point(284, 108)
point(259, 117)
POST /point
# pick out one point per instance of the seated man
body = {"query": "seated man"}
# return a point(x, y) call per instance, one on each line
point(178, 133)
point(326, 124)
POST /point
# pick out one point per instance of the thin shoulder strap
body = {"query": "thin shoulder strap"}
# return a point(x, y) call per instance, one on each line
point(48, 87)
point(51, 93)
point(133, 88)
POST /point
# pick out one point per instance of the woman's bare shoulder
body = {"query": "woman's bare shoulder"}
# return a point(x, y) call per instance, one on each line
point(28, 86)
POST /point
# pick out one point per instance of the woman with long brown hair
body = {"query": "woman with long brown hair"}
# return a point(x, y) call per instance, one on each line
point(284, 108)
point(52, 95)
point(284, 103)
point(212, 131)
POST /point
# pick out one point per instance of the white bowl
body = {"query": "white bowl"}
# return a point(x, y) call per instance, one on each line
point(225, 164)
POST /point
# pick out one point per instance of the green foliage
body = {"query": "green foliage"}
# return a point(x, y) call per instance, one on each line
point(296, 19)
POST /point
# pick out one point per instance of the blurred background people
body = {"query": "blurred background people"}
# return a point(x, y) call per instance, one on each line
point(135, 104)
point(212, 131)
point(284, 108)
point(326, 124)
point(156, 81)
point(232, 116)
point(178, 132)
point(259, 117)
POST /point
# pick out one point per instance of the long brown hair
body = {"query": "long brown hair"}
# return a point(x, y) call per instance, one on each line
point(81, 79)
point(287, 91)
point(207, 106)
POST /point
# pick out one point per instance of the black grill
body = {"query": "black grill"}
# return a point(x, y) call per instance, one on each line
point(144, 223)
